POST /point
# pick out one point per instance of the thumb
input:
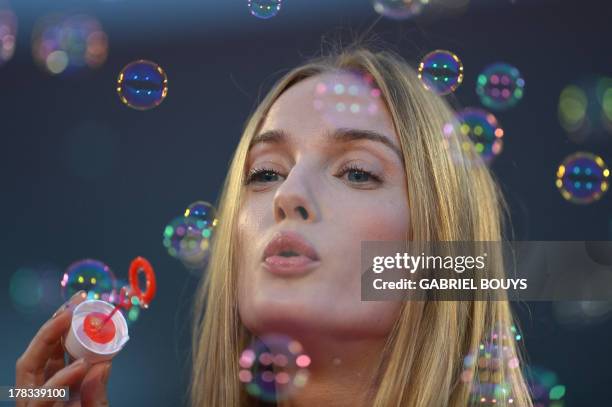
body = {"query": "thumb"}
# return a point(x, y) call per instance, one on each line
point(93, 387)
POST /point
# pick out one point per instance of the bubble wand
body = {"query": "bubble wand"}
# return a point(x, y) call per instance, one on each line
point(98, 332)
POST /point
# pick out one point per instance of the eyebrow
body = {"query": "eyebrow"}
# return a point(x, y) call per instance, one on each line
point(342, 135)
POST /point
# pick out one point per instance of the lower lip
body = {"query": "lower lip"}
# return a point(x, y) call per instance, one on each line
point(288, 266)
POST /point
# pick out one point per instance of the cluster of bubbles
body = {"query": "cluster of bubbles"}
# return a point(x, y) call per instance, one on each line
point(130, 303)
point(98, 282)
point(500, 86)
point(487, 369)
point(33, 289)
point(479, 131)
point(346, 95)
point(399, 9)
point(273, 367)
point(188, 237)
point(585, 109)
point(8, 34)
point(68, 43)
point(264, 9)
point(142, 85)
point(582, 178)
point(546, 391)
point(441, 72)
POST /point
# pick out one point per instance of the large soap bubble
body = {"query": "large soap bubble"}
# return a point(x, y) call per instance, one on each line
point(92, 276)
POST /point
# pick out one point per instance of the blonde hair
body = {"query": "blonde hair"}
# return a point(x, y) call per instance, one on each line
point(450, 199)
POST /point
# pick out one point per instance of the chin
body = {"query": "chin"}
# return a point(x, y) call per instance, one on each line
point(285, 315)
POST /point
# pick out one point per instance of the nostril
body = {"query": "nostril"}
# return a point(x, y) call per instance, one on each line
point(302, 211)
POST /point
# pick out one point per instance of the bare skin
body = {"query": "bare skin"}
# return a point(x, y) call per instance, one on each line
point(335, 192)
point(42, 365)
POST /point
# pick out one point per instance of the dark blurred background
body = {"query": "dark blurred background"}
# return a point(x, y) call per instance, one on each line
point(84, 176)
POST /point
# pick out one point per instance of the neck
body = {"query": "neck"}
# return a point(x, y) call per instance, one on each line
point(341, 373)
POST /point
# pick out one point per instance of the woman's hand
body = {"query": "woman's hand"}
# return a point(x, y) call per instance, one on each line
point(42, 365)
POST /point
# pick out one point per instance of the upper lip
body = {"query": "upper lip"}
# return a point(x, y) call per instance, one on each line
point(289, 241)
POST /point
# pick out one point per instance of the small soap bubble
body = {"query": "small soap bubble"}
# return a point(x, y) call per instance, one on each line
point(441, 72)
point(189, 237)
point(264, 9)
point(398, 9)
point(142, 85)
point(500, 86)
point(544, 386)
point(92, 276)
point(582, 178)
point(33, 289)
point(585, 109)
point(25, 290)
point(8, 34)
point(483, 130)
point(485, 369)
point(344, 94)
point(203, 212)
point(63, 44)
point(130, 304)
point(273, 367)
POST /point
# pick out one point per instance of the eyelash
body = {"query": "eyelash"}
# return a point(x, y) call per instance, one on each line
point(255, 172)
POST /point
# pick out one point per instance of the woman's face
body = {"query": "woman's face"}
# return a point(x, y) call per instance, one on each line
point(330, 173)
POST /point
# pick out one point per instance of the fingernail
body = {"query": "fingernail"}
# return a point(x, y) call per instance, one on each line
point(68, 303)
point(76, 295)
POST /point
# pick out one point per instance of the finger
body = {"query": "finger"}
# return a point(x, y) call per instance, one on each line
point(93, 388)
point(56, 361)
point(30, 366)
point(67, 377)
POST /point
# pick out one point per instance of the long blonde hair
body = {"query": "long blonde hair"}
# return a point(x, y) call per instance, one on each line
point(449, 200)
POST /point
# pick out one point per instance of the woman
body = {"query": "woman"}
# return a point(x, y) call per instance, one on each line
point(345, 149)
point(313, 164)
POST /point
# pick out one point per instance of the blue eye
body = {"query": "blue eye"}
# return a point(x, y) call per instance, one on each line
point(262, 175)
point(358, 175)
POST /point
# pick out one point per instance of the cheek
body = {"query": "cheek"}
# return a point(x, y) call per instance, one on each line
point(385, 219)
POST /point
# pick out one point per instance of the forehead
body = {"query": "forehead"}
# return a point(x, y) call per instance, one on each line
point(325, 102)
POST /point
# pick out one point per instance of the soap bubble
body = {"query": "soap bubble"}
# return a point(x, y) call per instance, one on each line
point(484, 131)
point(604, 97)
point(130, 304)
point(8, 34)
point(25, 290)
point(500, 86)
point(142, 85)
point(202, 211)
point(441, 72)
point(92, 276)
point(573, 104)
point(544, 386)
point(585, 109)
point(486, 369)
point(582, 178)
point(68, 43)
point(188, 238)
point(264, 9)
point(398, 9)
point(346, 94)
point(578, 314)
point(273, 367)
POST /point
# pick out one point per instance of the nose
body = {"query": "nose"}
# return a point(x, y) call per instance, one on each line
point(293, 198)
